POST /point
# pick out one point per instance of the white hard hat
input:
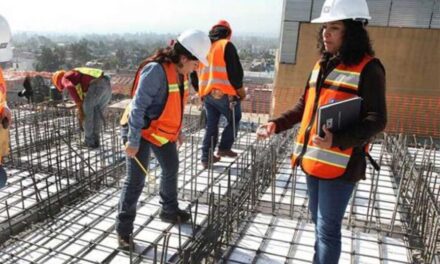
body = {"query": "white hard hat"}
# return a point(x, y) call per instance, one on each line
point(5, 39)
point(5, 54)
point(334, 10)
point(197, 42)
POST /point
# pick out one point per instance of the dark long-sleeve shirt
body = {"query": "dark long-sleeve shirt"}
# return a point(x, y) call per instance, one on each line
point(233, 68)
point(373, 116)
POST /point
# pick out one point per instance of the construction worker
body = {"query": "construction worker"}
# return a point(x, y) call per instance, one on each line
point(91, 91)
point(334, 163)
point(5, 113)
point(153, 121)
point(220, 87)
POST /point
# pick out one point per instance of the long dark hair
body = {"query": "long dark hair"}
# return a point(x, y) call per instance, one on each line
point(356, 42)
point(170, 54)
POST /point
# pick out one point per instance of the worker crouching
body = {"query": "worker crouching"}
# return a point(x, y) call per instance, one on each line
point(91, 91)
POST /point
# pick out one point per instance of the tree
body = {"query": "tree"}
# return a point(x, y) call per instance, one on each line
point(60, 52)
point(110, 64)
point(80, 52)
point(50, 60)
point(139, 54)
point(121, 57)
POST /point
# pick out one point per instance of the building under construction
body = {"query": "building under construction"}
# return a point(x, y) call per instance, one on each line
point(60, 203)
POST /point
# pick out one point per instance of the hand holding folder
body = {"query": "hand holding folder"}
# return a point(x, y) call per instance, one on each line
point(339, 115)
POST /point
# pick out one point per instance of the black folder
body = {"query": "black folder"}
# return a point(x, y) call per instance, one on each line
point(339, 115)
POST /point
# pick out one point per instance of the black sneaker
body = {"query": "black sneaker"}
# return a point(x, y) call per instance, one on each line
point(124, 243)
point(173, 217)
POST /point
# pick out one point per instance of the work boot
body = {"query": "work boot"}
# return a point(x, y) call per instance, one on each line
point(172, 217)
point(226, 153)
point(124, 243)
point(214, 160)
point(89, 146)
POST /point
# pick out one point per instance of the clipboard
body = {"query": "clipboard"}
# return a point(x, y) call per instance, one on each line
point(339, 115)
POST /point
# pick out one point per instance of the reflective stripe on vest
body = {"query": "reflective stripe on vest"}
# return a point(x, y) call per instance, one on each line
point(161, 140)
point(80, 92)
point(213, 69)
point(214, 82)
point(215, 75)
point(95, 73)
point(167, 126)
point(324, 155)
point(341, 83)
point(340, 78)
point(337, 78)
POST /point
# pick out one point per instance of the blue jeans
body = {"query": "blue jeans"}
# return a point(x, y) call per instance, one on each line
point(97, 98)
point(214, 109)
point(328, 200)
point(3, 177)
point(134, 183)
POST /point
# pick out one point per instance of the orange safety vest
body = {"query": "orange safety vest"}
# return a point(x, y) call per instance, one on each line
point(2, 92)
point(340, 84)
point(4, 133)
point(167, 127)
point(215, 75)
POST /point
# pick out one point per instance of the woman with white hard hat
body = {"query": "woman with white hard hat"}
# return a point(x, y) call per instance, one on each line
point(5, 113)
point(334, 162)
point(153, 121)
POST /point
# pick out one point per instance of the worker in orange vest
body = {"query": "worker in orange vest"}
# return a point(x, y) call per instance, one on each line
point(5, 117)
point(335, 162)
point(220, 86)
point(5, 113)
point(91, 91)
point(153, 122)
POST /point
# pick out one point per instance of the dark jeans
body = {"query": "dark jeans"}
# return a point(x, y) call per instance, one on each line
point(214, 109)
point(135, 179)
point(328, 200)
point(3, 177)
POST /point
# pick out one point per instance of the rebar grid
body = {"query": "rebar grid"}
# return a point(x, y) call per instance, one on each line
point(48, 169)
point(416, 167)
point(261, 253)
point(225, 201)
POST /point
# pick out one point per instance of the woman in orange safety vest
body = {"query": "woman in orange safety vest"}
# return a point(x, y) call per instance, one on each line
point(153, 121)
point(335, 162)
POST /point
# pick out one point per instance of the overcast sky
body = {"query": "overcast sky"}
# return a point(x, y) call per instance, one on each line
point(262, 17)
